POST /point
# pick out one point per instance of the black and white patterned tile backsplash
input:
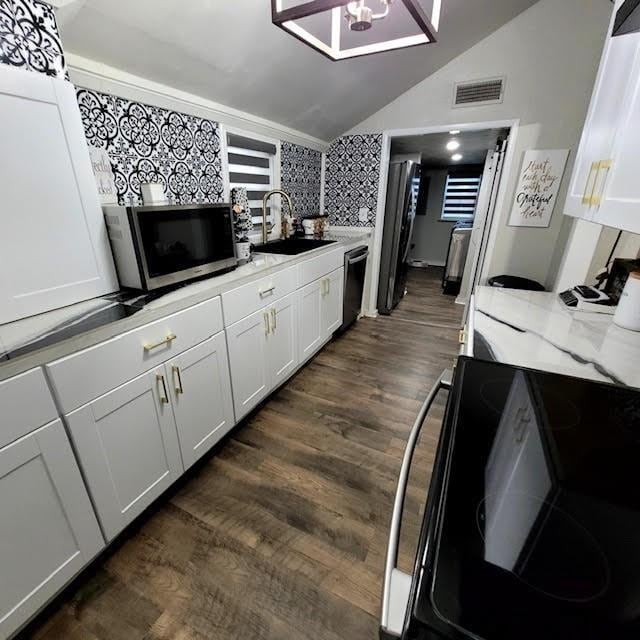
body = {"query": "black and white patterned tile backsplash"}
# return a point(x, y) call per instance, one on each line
point(29, 37)
point(150, 144)
point(352, 177)
point(301, 170)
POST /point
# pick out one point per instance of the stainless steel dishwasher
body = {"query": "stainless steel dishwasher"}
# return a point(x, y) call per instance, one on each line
point(355, 268)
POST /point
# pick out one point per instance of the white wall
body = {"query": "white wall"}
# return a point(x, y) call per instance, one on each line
point(549, 56)
point(430, 234)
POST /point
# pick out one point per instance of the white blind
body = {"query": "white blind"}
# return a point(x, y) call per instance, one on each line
point(251, 165)
point(460, 197)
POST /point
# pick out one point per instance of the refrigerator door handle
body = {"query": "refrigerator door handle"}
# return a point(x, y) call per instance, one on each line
point(360, 258)
point(397, 585)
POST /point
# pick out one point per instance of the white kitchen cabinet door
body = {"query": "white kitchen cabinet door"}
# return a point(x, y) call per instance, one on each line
point(201, 396)
point(246, 341)
point(606, 112)
point(48, 530)
point(54, 242)
point(618, 188)
point(128, 448)
point(332, 302)
point(282, 341)
point(311, 335)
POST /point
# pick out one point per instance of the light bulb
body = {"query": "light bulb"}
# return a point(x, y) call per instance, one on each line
point(456, 157)
point(454, 132)
point(453, 145)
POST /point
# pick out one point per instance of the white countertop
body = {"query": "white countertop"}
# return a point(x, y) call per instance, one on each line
point(536, 330)
point(20, 333)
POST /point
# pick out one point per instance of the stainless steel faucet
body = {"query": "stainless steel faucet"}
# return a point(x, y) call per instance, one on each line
point(274, 192)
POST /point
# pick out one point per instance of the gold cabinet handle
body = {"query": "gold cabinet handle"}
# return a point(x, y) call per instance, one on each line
point(462, 336)
point(165, 398)
point(266, 292)
point(168, 339)
point(176, 373)
point(274, 320)
point(586, 199)
point(324, 288)
point(265, 317)
point(596, 200)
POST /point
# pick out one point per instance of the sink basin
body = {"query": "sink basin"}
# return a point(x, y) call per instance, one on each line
point(291, 246)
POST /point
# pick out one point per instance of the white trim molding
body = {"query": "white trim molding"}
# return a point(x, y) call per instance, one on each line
point(91, 74)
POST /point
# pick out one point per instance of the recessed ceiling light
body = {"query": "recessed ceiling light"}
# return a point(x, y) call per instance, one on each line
point(456, 157)
point(454, 132)
point(453, 145)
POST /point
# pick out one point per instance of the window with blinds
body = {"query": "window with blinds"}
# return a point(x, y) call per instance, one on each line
point(252, 166)
point(460, 197)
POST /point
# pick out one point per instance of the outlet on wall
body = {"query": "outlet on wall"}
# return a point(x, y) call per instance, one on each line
point(363, 215)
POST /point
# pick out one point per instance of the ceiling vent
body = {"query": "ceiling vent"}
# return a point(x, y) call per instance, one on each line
point(480, 92)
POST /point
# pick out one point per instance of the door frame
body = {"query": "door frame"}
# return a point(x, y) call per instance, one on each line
point(385, 158)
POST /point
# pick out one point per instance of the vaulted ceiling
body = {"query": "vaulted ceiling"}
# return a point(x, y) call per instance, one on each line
point(228, 51)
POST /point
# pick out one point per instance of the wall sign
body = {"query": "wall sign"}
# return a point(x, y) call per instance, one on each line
point(538, 187)
point(103, 173)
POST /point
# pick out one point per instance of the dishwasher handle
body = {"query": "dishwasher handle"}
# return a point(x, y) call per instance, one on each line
point(396, 586)
point(359, 258)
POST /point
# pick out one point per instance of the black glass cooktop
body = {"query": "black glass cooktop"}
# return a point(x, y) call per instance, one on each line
point(538, 536)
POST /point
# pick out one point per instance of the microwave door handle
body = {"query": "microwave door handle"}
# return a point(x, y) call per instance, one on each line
point(396, 586)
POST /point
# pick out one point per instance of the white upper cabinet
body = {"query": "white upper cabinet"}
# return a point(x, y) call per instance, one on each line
point(604, 187)
point(54, 244)
point(602, 121)
point(201, 397)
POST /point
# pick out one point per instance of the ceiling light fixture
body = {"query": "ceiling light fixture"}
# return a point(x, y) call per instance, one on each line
point(456, 157)
point(453, 145)
point(454, 132)
point(342, 30)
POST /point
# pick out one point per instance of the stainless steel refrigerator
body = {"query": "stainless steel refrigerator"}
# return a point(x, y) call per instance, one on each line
point(396, 240)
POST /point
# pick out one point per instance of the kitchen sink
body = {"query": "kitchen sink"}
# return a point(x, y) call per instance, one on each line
point(291, 246)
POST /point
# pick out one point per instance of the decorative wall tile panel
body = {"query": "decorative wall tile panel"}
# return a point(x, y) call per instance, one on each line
point(352, 177)
point(301, 170)
point(29, 37)
point(150, 144)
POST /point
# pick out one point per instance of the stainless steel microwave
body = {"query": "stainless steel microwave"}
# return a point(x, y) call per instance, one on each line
point(158, 246)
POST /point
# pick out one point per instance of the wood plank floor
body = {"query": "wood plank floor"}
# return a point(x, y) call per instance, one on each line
point(282, 533)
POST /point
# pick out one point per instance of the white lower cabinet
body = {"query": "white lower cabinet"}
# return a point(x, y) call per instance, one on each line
point(263, 351)
point(48, 530)
point(320, 314)
point(201, 397)
point(332, 302)
point(128, 448)
point(247, 342)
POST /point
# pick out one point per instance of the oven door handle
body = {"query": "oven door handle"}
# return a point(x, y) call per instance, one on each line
point(396, 586)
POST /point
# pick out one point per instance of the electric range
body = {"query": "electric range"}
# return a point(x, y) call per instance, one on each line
point(532, 529)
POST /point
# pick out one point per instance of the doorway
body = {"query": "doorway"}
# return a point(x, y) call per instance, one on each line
point(441, 193)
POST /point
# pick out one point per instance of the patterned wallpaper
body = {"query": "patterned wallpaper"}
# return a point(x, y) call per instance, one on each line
point(352, 179)
point(301, 170)
point(29, 37)
point(150, 144)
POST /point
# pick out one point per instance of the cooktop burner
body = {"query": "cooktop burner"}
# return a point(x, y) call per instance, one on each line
point(538, 531)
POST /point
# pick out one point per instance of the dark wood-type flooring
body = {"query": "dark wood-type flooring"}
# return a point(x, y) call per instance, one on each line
point(282, 533)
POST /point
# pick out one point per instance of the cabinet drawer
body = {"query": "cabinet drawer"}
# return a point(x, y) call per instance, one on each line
point(317, 267)
point(83, 376)
point(26, 405)
point(249, 298)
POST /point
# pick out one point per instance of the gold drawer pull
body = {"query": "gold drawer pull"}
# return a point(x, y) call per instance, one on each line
point(164, 399)
point(176, 372)
point(595, 167)
point(166, 340)
point(462, 336)
point(596, 200)
point(274, 319)
point(266, 292)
